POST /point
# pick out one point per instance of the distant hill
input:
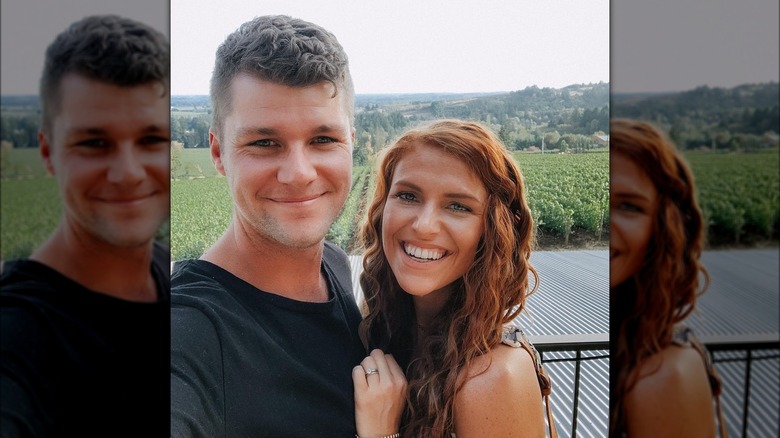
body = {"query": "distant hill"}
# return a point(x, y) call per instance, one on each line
point(577, 95)
point(19, 101)
point(745, 116)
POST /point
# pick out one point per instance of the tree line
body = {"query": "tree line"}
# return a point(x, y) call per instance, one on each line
point(562, 119)
point(745, 117)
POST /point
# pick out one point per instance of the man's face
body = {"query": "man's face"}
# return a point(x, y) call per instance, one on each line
point(287, 155)
point(109, 149)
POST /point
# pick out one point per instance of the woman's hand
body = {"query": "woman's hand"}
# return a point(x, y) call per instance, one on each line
point(380, 395)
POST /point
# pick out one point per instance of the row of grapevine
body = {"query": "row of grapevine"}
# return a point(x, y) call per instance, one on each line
point(738, 194)
point(567, 193)
point(343, 231)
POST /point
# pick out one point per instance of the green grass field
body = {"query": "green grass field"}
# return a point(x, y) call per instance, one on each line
point(31, 206)
point(195, 163)
point(30, 212)
point(24, 163)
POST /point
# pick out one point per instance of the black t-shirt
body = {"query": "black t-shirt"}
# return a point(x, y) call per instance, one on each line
point(247, 363)
point(78, 363)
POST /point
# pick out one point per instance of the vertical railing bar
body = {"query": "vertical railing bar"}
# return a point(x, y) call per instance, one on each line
point(746, 400)
point(576, 394)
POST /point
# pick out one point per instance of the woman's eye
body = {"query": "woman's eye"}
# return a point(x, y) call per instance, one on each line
point(406, 196)
point(459, 207)
point(627, 206)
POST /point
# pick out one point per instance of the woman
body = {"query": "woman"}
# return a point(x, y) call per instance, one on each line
point(446, 267)
point(661, 376)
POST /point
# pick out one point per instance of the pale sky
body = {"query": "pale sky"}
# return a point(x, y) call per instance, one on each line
point(677, 45)
point(27, 27)
point(418, 46)
point(457, 46)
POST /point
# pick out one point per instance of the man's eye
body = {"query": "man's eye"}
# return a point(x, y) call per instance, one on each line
point(95, 143)
point(324, 139)
point(263, 143)
point(154, 139)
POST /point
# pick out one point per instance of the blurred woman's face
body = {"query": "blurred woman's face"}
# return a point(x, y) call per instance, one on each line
point(632, 208)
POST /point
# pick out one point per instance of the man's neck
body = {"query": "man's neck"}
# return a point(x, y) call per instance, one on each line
point(119, 272)
point(271, 267)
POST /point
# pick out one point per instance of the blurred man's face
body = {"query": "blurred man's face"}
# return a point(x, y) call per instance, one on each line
point(109, 149)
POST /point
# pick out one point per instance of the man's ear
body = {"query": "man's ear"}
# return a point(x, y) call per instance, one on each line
point(216, 152)
point(44, 147)
point(353, 136)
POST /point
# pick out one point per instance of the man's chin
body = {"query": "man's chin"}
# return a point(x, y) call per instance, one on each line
point(300, 241)
point(128, 238)
point(301, 236)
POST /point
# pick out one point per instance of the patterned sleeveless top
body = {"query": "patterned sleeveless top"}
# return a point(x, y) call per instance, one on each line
point(515, 337)
point(683, 337)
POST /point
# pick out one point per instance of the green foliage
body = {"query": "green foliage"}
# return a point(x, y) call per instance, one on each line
point(23, 163)
point(6, 148)
point(738, 194)
point(568, 195)
point(200, 213)
point(191, 129)
point(19, 127)
point(344, 230)
point(191, 163)
point(31, 210)
point(724, 118)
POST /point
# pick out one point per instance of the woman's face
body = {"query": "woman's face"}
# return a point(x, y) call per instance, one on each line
point(432, 221)
point(632, 208)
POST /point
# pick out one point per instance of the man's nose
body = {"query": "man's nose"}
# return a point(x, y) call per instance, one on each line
point(297, 168)
point(126, 166)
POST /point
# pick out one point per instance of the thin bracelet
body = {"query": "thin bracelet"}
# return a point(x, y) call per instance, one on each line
point(395, 435)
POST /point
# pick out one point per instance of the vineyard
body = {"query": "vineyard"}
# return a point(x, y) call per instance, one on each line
point(738, 194)
point(568, 195)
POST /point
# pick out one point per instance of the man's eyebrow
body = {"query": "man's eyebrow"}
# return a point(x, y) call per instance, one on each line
point(89, 130)
point(248, 131)
point(256, 131)
point(329, 128)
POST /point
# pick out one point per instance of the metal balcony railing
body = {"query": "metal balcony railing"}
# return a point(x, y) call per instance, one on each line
point(749, 366)
point(578, 366)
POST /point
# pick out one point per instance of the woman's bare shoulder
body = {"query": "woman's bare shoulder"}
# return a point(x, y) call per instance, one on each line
point(501, 396)
point(672, 396)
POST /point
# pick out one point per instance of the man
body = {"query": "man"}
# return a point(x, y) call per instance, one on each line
point(85, 320)
point(264, 325)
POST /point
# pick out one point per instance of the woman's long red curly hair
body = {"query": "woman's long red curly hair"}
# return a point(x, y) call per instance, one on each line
point(645, 308)
point(490, 294)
